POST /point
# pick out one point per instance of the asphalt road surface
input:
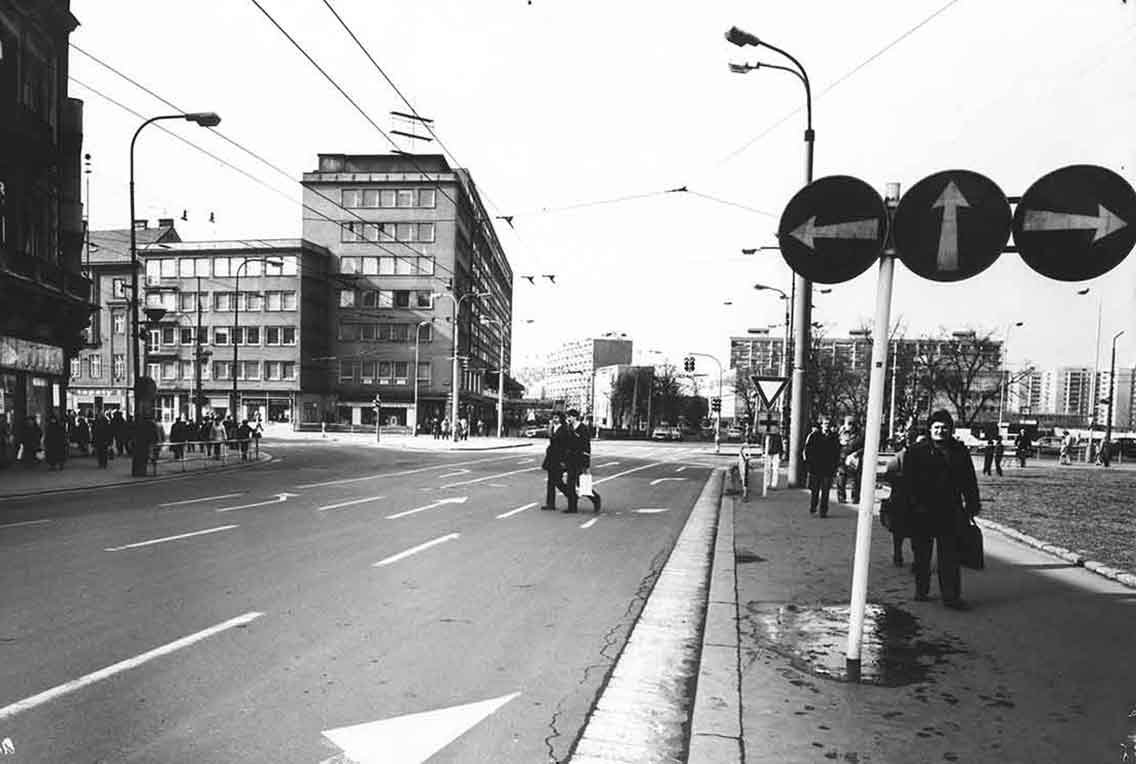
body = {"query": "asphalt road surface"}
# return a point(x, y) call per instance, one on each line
point(338, 600)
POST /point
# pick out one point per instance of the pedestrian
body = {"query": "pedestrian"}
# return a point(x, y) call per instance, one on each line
point(55, 443)
point(820, 454)
point(999, 452)
point(30, 438)
point(244, 435)
point(556, 461)
point(446, 427)
point(988, 456)
point(1021, 447)
point(1105, 456)
point(217, 437)
point(178, 437)
point(102, 435)
point(5, 434)
point(942, 498)
point(899, 501)
point(580, 462)
point(83, 435)
point(1067, 444)
point(849, 464)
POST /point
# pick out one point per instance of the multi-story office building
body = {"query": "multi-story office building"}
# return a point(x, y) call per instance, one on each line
point(45, 301)
point(572, 368)
point(276, 319)
point(415, 260)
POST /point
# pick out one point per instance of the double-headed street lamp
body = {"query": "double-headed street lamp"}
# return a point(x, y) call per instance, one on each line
point(1005, 373)
point(236, 323)
point(455, 374)
point(802, 291)
point(1107, 444)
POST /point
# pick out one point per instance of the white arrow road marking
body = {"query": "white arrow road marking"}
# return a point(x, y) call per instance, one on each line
point(626, 472)
point(280, 499)
point(650, 510)
point(414, 738)
point(379, 475)
point(415, 550)
point(609, 464)
point(663, 480)
point(589, 523)
point(950, 200)
point(526, 461)
point(454, 474)
point(171, 538)
point(852, 229)
point(25, 522)
point(680, 469)
point(512, 512)
point(1105, 223)
point(438, 503)
point(194, 501)
point(487, 477)
point(349, 503)
point(138, 660)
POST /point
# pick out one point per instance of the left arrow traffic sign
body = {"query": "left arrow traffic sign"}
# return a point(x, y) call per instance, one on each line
point(808, 232)
point(833, 229)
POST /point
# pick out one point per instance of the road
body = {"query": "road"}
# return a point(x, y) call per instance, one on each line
point(263, 615)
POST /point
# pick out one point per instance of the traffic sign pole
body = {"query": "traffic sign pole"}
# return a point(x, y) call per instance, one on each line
point(871, 454)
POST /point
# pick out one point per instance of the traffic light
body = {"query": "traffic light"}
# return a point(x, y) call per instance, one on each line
point(715, 405)
point(688, 363)
point(376, 404)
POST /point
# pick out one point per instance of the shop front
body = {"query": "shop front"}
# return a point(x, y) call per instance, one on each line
point(33, 381)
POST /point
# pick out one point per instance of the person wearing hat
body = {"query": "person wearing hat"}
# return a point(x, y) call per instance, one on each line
point(942, 489)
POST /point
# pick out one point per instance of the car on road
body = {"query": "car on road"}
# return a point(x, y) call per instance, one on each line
point(734, 434)
point(1048, 445)
point(666, 433)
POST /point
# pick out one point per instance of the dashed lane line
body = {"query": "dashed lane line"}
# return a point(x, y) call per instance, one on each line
point(414, 550)
point(589, 523)
point(351, 503)
point(25, 522)
point(518, 510)
point(117, 668)
point(164, 539)
point(625, 472)
point(417, 471)
point(487, 477)
point(204, 498)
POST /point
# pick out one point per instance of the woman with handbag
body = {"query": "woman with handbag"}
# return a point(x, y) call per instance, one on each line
point(939, 482)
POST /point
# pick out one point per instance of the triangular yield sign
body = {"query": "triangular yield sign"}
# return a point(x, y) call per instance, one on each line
point(769, 388)
point(413, 738)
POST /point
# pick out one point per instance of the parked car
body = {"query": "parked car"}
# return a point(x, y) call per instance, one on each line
point(1048, 445)
point(666, 433)
point(734, 434)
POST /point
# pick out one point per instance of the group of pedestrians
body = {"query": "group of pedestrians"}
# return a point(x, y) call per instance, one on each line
point(832, 454)
point(55, 439)
point(568, 461)
point(440, 428)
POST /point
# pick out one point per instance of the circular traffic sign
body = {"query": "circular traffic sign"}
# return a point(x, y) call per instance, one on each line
point(833, 229)
point(951, 225)
point(1076, 223)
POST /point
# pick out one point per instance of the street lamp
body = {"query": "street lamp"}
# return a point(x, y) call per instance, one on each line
point(454, 384)
point(236, 322)
point(500, 372)
point(1005, 373)
point(141, 433)
point(785, 343)
point(718, 416)
point(417, 331)
point(1107, 444)
point(802, 287)
point(1094, 393)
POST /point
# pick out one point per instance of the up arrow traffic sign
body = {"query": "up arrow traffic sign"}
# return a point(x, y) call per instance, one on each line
point(1104, 222)
point(950, 200)
point(852, 229)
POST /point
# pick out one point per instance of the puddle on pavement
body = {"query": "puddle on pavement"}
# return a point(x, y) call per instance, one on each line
point(815, 639)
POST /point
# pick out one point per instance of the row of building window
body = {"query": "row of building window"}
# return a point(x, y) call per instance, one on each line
point(272, 336)
point(357, 230)
point(223, 301)
point(158, 268)
point(375, 198)
point(385, 332)
point(422, 299)
point(409, 265)
point(92, 368)
point(381, 372)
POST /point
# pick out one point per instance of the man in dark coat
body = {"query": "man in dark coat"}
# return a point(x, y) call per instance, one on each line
point(579, 460)
point(55, 443)
point(556, 462)
point(938, 479)
point(102, 434)
point(178, 437)
point(820, 461)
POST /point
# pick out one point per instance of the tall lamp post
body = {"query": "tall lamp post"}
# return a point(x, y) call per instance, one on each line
point(1005, 373)
point(802, 287)
point(141, 431)
point(454, 384)
point(500, 372)
point(785, 345)
point(1107, 444)
point(417, 331)
point(1094, 394)
point(718, 415)
point(236, 323)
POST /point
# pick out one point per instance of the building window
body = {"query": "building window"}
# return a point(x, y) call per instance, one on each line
point(405, 197)
point(248, 335)
point(347, 370)
point(273, 267)
point(118, 366)
point(426, 197)
point(350, 231)
point(423, 299)
point(289, 369)
point(424, 372)
point(405, 231)
point(370, 266)
point(253, 302)
point(118, 289)
point(221, 335)
point(154, 370)
point(223, 301)
point(272, 335)
point(350, 264)
point(96, 366)
point(426, 232)
point(287, 335)
point(221, 267)
point(401, 298)
point(185, 268)
point(76, 366)
point(384, 372)
point(350, 197)
point(186, 369)
point(249, 370)
point(168, 267)
point(368, 332)
point(347, 298)
point(367, 373)
point(426, 266)
point(401, 372)
point(153, 339)
point(387, 197)
point(221, 369)
point(369, 298)
point(118, 322)
point(169, 370)
point(188, 335)
point(291, 266)
point(348, 332)
point(168, 335)
point(370, 197)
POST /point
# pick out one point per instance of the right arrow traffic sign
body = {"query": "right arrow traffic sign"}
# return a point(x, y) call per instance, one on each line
point(1076, 223)
point(951, 225)
point(833, 229)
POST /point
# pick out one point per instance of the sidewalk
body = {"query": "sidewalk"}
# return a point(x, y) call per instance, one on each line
point(405, 442)
point(1039, 670)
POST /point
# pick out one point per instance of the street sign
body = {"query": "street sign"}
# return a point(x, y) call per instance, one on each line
point(768, 388)
point(1076, 223)
point(767, 423)
point(833, 229)
point(951, 225)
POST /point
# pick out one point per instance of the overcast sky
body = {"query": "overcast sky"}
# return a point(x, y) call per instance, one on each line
point(558, 105)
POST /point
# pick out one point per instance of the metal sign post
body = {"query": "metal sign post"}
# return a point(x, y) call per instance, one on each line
point(871, 453)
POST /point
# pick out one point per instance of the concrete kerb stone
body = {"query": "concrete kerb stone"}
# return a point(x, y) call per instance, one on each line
point(1074, 558)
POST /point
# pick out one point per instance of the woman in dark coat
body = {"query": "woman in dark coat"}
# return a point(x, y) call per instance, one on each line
point(30, 437)
point(55, 443)
point(556, 461)
point(942, 490)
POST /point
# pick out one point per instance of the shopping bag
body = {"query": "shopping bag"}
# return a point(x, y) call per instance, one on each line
point(584, 485)
point(971, 553)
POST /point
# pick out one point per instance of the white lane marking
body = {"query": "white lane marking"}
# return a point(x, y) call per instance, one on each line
point(625, 472)
point(526, 461)
point(164, 539)
point(454, 474)
point(404, 472)
point(496, 485)
point(512, 512)
point(76, 684)
point(438, 503)
point(194, 501)
point(25, 522)
point(351, 503)
point(661, 480)
point(280, 499)
point(650, 510)
point(487, 477)
point(415, 549)
point(680, 469)
point(589, 523)
point(609, 464)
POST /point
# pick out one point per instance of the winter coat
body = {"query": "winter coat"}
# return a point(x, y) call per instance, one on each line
point(559, 447)
point(55, 443)
point(941, 487)
point(820, 454)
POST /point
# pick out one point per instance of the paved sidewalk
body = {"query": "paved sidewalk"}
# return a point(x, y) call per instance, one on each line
point(1041, 669)
point(405, 442)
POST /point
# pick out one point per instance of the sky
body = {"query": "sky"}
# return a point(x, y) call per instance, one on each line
point(575, 118)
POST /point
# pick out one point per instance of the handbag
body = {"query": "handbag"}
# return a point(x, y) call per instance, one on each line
point(584, 484)
point(971, 553)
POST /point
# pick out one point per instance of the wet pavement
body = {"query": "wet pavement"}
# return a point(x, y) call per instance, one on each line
point(1042, 669)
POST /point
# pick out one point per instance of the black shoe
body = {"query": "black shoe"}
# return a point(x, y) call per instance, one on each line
point(812, 510)
point(956, 604)
point(824, 513)
point(548, 506)
point(570, 511)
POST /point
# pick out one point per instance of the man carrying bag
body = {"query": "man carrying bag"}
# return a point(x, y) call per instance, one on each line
point(579, 463)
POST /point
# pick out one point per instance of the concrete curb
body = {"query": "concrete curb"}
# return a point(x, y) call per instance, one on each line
point(1073, 558)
